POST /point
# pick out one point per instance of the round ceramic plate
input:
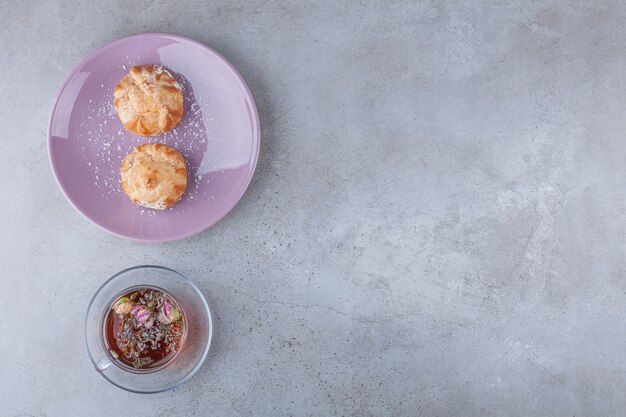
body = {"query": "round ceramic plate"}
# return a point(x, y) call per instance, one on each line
point(219, 137)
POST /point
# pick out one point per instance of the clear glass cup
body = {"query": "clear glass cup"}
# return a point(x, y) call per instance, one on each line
point(198, 327)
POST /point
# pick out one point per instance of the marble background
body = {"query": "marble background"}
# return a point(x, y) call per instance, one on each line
point(436, 227)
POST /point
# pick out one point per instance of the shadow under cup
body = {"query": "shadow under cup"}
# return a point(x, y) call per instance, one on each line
point(195, 344)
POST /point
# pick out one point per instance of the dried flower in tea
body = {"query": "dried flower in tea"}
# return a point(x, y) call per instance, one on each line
point(145, 328)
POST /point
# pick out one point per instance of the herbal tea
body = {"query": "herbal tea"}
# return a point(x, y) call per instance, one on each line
point(144, 328)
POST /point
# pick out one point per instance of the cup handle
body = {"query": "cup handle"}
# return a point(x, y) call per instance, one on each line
point(103, 364)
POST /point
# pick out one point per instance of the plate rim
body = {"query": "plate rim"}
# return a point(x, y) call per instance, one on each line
point(112, 44)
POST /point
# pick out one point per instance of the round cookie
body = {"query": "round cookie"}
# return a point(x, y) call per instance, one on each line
point(148, 100)
point(154, 176)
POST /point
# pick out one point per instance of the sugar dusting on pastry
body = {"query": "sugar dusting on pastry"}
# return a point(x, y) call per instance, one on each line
point(154, 176)
point(148, 100)
point(104, 142)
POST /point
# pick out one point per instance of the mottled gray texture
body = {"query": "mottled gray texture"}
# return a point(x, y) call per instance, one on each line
point(437, 224)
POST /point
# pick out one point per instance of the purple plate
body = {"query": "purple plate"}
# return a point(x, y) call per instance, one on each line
point(219, 137)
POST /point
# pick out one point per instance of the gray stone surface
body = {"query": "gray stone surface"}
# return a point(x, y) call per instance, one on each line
point(437, 224)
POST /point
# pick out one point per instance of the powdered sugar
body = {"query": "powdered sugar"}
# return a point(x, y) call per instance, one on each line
point(104, 143)
point(225, 132)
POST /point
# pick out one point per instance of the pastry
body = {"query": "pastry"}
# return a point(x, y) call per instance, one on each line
point(149, 100)
point(154, 176)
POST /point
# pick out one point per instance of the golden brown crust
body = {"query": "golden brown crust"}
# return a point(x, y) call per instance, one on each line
point(154, 176)
point(148, 100)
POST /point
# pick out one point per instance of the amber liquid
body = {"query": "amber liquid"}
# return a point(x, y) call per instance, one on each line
point(113, 325)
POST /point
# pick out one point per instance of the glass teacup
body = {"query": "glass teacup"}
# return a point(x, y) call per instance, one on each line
point(193, 348)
